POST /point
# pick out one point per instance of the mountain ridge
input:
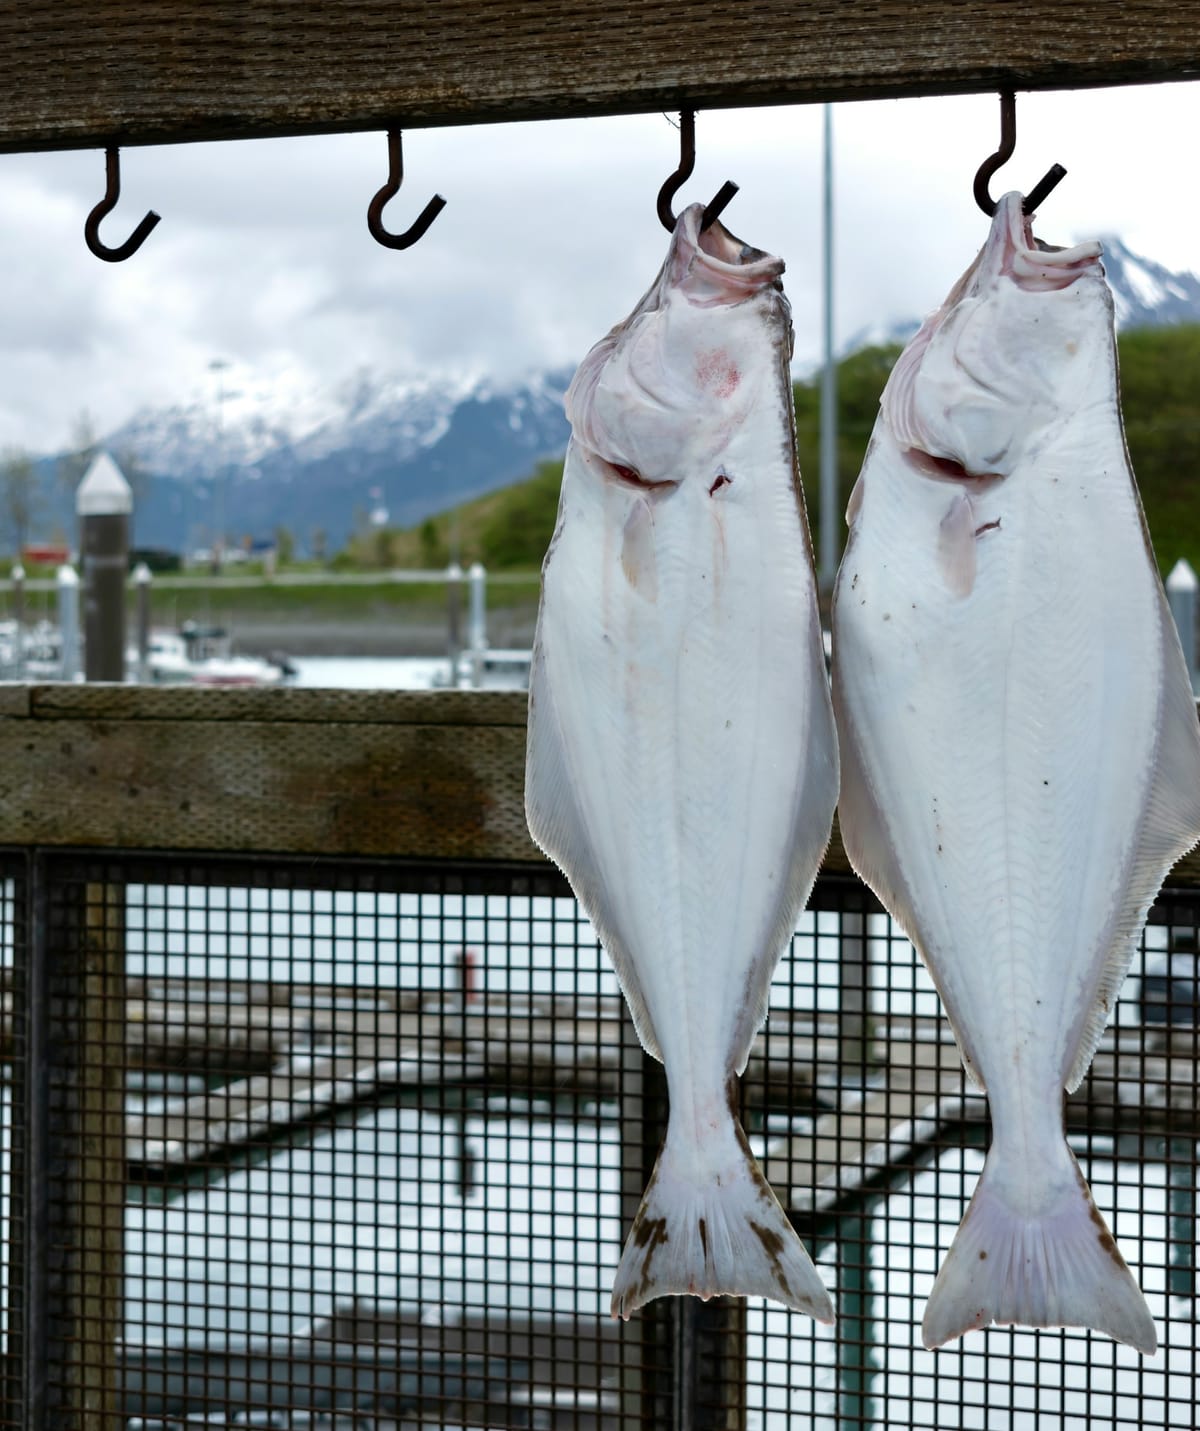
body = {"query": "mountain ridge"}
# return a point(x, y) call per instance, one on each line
point(266, 451)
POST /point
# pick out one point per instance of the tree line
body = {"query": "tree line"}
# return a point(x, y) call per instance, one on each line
point(1160, 391)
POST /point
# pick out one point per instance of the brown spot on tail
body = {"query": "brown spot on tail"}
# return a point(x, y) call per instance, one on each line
point(773, 1247)
point(756, 1174)
point(649, 1233)
point(1105, 1238)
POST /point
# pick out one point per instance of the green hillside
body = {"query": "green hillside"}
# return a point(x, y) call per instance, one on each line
point(1160, 381)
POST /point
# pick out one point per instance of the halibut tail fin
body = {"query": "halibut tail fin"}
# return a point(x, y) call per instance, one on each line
point(1060, 1269)
point(710, 1225)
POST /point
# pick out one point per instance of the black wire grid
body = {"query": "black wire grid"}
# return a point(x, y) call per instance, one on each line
point(305, 1144)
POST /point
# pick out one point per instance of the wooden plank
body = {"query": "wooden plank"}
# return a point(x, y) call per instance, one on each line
point(78, 74)
point(312, 787)
point(252, 1111)
point(278, 705)
point(413, 774)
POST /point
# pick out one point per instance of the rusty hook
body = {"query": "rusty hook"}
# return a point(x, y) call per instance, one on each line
point(1008, 142)
point(112, 192)
point(687, 162)
point(395, 178)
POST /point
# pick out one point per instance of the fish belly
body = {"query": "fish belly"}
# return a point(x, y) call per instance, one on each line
point(690, 741)
point(683, 773)
point(1020, 767)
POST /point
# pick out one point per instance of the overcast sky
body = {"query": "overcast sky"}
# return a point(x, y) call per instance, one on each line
point(549, 237)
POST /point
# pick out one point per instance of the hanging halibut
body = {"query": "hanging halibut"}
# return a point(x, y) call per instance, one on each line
point(1021, 756)
point(682, 763)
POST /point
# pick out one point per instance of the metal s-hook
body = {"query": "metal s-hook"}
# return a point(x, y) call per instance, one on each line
point(112, 192)
point(1008, 142)
point(687, 162)
point(375, 209)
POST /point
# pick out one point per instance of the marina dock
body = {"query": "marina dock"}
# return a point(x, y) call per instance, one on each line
point(290, 1056)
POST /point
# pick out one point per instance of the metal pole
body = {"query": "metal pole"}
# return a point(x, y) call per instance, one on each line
point(104, 504)
point(141, 579)
point(828, 475)
point(454, 575)
point(68, 621)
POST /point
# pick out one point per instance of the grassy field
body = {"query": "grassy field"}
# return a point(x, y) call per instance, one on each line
point(316, 598)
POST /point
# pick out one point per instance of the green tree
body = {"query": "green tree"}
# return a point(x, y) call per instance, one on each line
point(860, 381)
point(78, 458)
point(381, 548)
point(18, 495)
point(285, 545)
point(519, 531)
point(434, 552)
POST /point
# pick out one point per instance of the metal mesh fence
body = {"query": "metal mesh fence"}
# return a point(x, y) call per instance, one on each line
point(298, 1144)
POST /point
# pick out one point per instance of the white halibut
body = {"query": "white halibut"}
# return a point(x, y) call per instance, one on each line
point(1020, 749)
point(682, 763)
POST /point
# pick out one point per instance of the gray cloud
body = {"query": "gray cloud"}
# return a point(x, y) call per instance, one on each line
point(549, 238)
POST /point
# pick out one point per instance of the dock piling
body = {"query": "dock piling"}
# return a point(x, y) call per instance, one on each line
point(104, 504)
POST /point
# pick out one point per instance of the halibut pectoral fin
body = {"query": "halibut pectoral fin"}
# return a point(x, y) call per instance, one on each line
point(714, 1236)
point(956, 546)
point(557, 826)
point(1170, 828)
point(1059, 1270)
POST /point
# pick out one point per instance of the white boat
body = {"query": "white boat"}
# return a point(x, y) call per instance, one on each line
point(202, 656)
point(491, 668)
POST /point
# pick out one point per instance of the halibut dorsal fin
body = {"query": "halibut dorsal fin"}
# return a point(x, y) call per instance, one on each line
point(557, 828)
point(871, 851)
point(1170, 828)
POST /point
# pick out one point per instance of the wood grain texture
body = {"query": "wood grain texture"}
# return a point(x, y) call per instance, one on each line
point(166, 71)
point(427, 775)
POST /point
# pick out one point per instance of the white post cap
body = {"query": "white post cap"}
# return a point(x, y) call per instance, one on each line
point(68, 576)
point(141, 574)
point(103, 492)
point(1182, 577)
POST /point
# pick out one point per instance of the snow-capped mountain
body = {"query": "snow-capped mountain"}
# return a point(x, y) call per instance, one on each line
point(262, 451)
point(325, 460)
point(1144, 292)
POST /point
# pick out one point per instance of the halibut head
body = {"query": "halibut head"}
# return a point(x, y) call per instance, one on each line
point(682, 764)
point(1021, 756)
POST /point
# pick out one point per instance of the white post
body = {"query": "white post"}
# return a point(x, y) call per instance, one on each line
point(477, 621)
point(18, 610)
point(454, 575)
point(1181, 597)
point(68, 620)
point(141, 581)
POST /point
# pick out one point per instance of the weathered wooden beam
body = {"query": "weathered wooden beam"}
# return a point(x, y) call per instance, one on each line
point(75, 75)
point(423, 775)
